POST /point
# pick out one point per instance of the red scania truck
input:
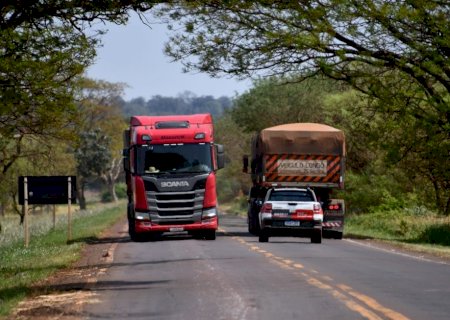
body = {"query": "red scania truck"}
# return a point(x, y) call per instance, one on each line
point(304, 155)
point(170, 164)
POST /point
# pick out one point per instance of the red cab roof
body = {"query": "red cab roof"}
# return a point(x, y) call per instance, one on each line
point(204, 118)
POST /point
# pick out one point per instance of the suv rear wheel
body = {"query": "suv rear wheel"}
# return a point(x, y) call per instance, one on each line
point(263, 237)
point(316, 237)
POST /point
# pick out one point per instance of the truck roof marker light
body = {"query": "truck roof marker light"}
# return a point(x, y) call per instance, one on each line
point(146, 138)
point(172, 125)
point(200, 135)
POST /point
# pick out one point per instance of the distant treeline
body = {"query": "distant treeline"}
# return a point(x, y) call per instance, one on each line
point(185, 103)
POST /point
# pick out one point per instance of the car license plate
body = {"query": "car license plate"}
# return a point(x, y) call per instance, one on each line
point(292, 223)
point(280, 214)
point(176, 229)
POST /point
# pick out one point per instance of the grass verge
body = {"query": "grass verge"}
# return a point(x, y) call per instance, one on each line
point(22, 267)
point(422, 232)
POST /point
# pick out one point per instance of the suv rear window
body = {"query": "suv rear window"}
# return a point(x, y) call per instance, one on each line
point(290, 195)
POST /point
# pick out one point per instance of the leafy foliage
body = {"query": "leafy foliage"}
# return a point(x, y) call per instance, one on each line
point(42, 14)
point(394, 52)
point(185, 103)
point(282, 100)
point(99, 111)
point(93, 153)
point(38, 70)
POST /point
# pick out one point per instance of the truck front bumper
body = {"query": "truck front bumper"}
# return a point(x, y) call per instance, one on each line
point(149, 226)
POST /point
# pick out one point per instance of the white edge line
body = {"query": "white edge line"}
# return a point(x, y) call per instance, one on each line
point(395, 252)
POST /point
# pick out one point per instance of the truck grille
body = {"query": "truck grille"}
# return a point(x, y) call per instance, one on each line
point(168, 204)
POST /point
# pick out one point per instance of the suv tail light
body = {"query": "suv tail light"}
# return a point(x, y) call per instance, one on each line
point(317, 208)
point(266, 208)
point(318, 213)
point(266, 211)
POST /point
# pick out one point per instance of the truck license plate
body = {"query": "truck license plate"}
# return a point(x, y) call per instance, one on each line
point(292, 223)
point(176, 229)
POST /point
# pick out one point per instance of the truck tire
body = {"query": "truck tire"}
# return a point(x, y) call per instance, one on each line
point(135, 237)
point(263, 237)
point(338, 235)
point(253, 221)
point(210, 235)
point(316, 236)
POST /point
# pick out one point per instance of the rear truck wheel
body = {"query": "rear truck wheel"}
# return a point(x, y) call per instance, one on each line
point(250, 226)
point(253, 219)
point(210, 235)
point(338, 235)
point(316, 236)
point(263, 237)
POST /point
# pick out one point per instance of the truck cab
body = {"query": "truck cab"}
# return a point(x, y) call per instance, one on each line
point(170, 164)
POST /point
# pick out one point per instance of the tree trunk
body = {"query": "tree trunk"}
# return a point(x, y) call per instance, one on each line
point(447, 208)
point(80, 194)
point(110, 177)
point(112, 190)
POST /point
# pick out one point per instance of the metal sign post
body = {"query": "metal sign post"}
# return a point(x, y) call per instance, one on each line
point(25, 212)
point(54, 216)
point(69, 213)
point(47, 190)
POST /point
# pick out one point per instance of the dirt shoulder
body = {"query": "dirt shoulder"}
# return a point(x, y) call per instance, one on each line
point(63, 295)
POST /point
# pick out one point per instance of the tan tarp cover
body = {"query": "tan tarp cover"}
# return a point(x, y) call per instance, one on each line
point(300, 139)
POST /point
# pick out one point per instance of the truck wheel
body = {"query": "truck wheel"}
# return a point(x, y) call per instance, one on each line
point(210, 235)
point(250, 226)
point(131, 230)
point(135, 237)
point(316, 236)
point(263, 237)
point(338, 235)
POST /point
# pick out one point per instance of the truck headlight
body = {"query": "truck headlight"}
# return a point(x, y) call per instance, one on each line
point(142, 216)
point(209, 213)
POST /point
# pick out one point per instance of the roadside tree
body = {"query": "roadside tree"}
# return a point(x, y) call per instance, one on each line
point(100, 125)
point(395, 52)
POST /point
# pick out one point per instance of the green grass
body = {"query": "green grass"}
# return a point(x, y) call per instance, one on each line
point(417, 230)
point(48, 252)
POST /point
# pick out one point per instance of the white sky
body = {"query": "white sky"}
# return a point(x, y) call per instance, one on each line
point(133, 54)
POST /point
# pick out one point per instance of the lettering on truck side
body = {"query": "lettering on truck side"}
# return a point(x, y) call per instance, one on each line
point(290, 167)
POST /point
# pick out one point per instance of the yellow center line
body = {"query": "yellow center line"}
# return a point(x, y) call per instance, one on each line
point(371, 302)
point(341, 292)
point(351, 304)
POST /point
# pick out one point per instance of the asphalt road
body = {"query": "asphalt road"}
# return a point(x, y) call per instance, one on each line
point(236, 277)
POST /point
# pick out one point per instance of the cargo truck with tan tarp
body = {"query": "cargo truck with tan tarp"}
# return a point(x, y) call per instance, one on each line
point(307, 155)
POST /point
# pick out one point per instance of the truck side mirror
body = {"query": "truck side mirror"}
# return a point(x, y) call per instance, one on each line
point(126, 159)
point(220, 156)
point(245, 164)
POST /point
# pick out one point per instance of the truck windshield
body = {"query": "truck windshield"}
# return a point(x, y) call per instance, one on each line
point(180, 158)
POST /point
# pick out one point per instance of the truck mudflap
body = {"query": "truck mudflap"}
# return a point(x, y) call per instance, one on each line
point(333, 219)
